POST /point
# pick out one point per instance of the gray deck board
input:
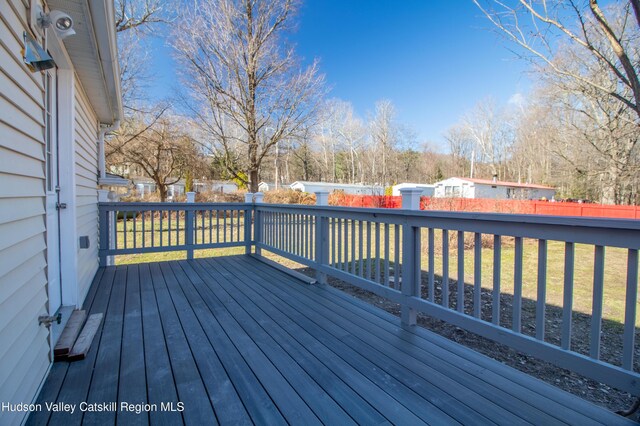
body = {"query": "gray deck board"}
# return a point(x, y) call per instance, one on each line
point(239, 342)
point(322, 405)
point(387, 393)
point(291, 405)
point(77, 381)
point(158, 370)
point(222, 395)
point(104, 381)
point(338, 334)
point(185, 371)
point(466, 393)
point(132, 386)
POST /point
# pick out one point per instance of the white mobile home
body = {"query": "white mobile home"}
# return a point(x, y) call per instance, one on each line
point(265, 186)
point(57, 99)
point(347, 188)
point(144, 186)
point(487, 188)
point(215, 186)
point(427, 190)
point(270, 186)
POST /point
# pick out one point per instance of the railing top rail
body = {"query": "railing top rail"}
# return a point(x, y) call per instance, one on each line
point(622, 233)
point(578, 221)
point(171, 206)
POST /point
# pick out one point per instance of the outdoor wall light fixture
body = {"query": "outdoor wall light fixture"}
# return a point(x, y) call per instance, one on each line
point(59, 21)
point(34, 56)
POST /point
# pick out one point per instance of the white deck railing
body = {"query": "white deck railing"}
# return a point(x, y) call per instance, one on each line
point(405, 256)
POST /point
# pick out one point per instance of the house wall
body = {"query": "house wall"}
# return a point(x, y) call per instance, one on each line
point(487, 191)
point(86, 176)
point(347, 189)
point(454, 187)
point(537, 194)
point(24, 347)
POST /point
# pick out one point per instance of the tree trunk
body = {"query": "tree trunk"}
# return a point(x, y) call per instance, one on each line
point(611, 184)
point(162, 189)
point(253, 181)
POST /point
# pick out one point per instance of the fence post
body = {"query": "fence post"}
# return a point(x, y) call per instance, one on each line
point(411, 272)
point(248, 201)
point(322, 237)
point(257, 222)
point(188, 225)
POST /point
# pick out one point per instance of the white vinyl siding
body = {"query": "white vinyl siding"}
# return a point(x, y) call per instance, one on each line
point(24, 347)
point(86, 155)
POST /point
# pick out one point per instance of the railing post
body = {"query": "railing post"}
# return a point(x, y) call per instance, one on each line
point(107, 229)
point(248, 200)
point(411, 271)
point(257, 222)
point(104, 235)
point(188, 225)
point(322, 237)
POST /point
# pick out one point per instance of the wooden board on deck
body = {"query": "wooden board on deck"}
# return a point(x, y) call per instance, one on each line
point(69, 334)
point(82, 345)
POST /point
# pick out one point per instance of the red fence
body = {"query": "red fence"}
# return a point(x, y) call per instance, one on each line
point(492, 206)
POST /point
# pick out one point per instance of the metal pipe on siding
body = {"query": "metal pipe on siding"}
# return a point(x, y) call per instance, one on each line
point(104, 128)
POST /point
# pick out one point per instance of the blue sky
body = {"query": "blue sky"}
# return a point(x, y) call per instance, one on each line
point(433, 59)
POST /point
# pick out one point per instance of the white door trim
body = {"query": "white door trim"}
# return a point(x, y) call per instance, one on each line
point(67, 175)
point(54, 281)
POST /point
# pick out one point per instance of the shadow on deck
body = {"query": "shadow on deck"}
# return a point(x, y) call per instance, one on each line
point(233, 341)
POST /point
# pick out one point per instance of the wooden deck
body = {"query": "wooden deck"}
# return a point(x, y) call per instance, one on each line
point(238, 342)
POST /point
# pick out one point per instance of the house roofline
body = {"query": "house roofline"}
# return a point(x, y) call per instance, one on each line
point(103, 17)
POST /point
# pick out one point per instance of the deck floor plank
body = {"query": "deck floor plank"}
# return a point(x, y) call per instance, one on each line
point(333, 385)
point(161, 387)
point(255, 398)
point(104, 382)
point(239, 342)
point(291, 405)
point(402, 387)
point(392, 394)
point(466, 390)
point(132, 385)
point(324, 407)
point(185, 371)
point(305, 356)
point(222, 394)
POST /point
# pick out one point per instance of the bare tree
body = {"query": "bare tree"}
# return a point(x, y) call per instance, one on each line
point(589, 62)
point(137, 15)
point(134, 22)
point(460, 148)
point(492, 134)
point(351, 132)
point(384, 135)
point(160, 148)
point(541, 27)
point(246, 88)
